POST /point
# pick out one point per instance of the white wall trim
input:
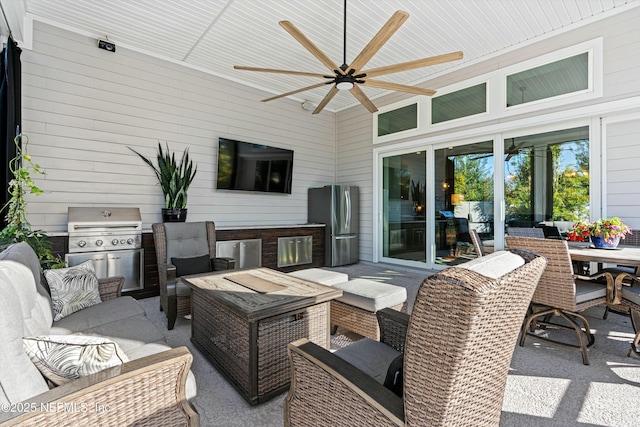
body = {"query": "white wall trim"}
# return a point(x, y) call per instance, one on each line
point(604, 123)
point(618, 106)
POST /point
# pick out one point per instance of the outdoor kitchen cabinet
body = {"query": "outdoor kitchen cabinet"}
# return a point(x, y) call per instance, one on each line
point(124, 263)
point(247, 253)
point(295, 250)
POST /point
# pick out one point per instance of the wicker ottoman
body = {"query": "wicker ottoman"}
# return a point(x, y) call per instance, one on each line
point(356, 309)
point(322, 276)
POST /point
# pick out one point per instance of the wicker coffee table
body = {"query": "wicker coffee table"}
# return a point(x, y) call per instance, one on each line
point(243, 320)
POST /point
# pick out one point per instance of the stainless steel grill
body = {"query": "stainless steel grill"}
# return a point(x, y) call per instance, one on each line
point(104, 229)
point(111, 238)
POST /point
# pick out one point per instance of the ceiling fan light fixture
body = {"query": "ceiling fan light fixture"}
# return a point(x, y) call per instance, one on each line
point(344, 82)
point(344, 85)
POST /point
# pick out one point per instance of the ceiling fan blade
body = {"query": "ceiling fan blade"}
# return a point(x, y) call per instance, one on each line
point(398, 87)
point(328, 97)
point(272, 70)
point(411, 65)
point(362, 97)
point(513, 150)
point(308, 44)
point(295, 91)
point(385, 33)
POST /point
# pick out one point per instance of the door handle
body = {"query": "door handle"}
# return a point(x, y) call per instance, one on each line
point(347, 196)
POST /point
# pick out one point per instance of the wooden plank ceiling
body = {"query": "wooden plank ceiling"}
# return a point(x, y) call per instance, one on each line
point(215, 35)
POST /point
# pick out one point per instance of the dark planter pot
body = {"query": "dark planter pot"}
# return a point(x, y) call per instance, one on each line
point(174, 215)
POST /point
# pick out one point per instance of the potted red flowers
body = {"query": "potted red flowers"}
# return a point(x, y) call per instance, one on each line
point(603, 233)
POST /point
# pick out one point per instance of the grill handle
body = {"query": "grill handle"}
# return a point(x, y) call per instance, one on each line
point(78, 227)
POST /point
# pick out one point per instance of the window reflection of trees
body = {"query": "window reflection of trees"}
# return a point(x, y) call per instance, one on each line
point(566, 179)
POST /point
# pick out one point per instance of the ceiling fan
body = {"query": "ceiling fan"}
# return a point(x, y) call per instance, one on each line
point(352, 76)
point(513, 149)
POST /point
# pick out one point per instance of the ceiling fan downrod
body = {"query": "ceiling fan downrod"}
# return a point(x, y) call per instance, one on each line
point(344, 65)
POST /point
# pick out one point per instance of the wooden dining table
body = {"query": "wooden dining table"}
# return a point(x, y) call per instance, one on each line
point(622, 255)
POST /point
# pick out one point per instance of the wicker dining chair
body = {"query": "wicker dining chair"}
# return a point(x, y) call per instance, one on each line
point(525, 232)
point(562, 294)
point(457, 344)
point(624, 298)
point(188, 243)
point(628, 276)
point(477, 242)
point(630, 299)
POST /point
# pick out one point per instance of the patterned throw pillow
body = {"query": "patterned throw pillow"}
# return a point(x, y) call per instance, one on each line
point(72, 289)
point(62, 358)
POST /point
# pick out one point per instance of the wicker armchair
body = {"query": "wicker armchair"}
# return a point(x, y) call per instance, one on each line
point(149, 391)
point(182, 240)
point(562, 294)
point(457, 343)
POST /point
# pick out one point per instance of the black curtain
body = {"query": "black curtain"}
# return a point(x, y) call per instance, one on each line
point(10, 114)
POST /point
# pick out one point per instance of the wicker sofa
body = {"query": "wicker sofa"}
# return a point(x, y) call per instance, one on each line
point(152, 388)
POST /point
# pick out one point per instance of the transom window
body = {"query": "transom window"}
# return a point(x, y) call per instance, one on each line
point(461, 103)
point(547, 81)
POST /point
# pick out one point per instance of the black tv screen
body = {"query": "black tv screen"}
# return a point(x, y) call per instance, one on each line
point(253, 167)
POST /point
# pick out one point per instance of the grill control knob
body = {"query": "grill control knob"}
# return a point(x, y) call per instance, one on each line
point(114, 242)
point(123, 241)
point(99, 242)
point(129, 241)
point(82, 243)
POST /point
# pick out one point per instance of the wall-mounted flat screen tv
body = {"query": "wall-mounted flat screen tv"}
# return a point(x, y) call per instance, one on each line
point(253, 167)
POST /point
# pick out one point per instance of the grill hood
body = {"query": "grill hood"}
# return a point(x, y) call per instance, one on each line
point(86, 218)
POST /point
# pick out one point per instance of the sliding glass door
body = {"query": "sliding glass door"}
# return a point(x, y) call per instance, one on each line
point(433, 197)
point(403, 206)
point(463, 199)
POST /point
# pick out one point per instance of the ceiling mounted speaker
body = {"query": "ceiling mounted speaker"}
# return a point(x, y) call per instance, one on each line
point(106, 45)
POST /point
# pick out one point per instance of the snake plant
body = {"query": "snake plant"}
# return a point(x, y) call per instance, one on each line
point(174, 177)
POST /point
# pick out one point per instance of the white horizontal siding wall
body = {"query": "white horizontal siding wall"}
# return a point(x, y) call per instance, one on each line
point(623, 173)
point(83, 107)
point(621, 80)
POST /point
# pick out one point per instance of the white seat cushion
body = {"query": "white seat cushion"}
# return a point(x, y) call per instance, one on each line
point(319, 275)
point(494, 265)
point(371, 296)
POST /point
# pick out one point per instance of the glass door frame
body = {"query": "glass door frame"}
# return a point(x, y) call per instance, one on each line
point(596, 157)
